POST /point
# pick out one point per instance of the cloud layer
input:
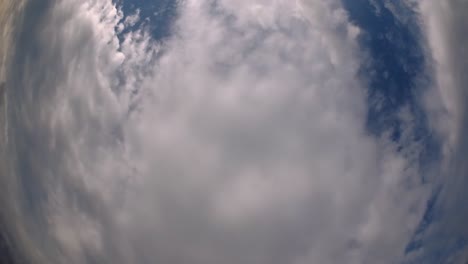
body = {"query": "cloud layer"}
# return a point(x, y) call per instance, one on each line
point(241, 138)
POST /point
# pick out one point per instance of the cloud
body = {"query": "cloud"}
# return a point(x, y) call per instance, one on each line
point(445, 27)
point(241, 138)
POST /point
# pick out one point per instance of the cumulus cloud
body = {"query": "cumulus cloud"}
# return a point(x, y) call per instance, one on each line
point(239, 139)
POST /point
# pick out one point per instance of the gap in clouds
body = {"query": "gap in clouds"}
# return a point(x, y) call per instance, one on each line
point(394, 68)
point(397, 72)
point(156, 15)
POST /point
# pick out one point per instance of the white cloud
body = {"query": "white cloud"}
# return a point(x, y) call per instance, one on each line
point(248, 144)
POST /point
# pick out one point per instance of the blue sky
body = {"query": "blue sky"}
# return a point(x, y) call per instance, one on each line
point(161, 14)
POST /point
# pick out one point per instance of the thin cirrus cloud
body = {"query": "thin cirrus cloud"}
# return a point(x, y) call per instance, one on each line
point(445, 30)
point(240, 138)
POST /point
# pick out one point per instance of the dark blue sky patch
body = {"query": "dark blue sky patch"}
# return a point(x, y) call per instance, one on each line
point(157, 15)
point(395, 59)
point(395, 71)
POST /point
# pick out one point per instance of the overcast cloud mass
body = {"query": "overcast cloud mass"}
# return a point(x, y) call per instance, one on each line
point(233, 131)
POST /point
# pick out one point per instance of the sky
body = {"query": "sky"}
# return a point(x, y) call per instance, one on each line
point(233, 131)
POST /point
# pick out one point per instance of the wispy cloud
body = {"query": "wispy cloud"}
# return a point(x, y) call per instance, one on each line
point(446, 27)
